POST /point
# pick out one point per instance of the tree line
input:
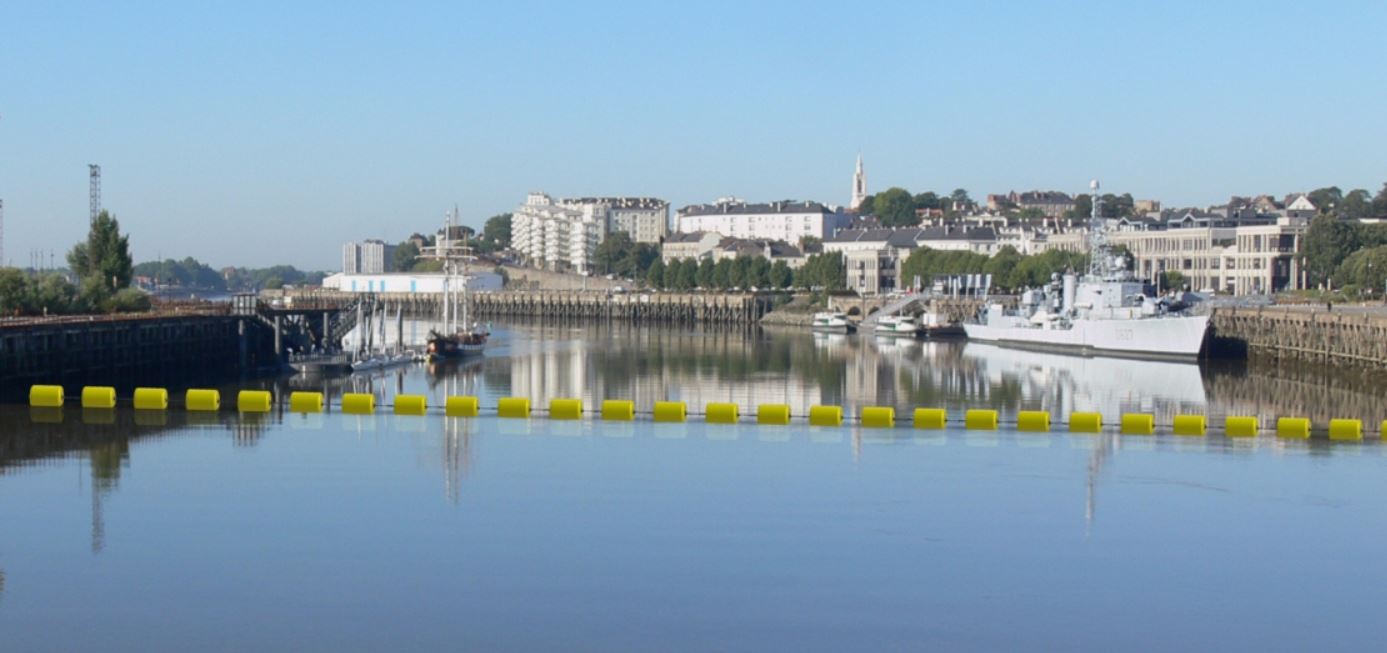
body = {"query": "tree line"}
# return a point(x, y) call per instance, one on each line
point(820, 271)
point(1009, 268)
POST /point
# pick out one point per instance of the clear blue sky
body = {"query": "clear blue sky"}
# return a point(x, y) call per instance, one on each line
point(253, 134)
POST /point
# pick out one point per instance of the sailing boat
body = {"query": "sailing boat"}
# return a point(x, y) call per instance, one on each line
point(368, 357)
point(459, 337)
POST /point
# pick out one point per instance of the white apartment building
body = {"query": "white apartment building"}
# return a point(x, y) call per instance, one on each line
point(563, 234)
point(368, 257)
point(645, 219)
point(787, 221)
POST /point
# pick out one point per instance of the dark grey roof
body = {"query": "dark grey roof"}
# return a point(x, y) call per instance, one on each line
point(909, 237)
point(685, 237)
point(742, 208)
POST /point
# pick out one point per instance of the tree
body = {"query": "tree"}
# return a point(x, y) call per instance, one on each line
point(671, 278)
point(927, 200)
point(1083, 207)
point(895, 207)
point(780, 275)
point(1380, 203)
point(1365, 268)
point(655, 275)
point(688, 274)
point(1031, 214)
point(705, 273)
point(497, 231)
point(1327, 243)
point(809, 244)
point(722, 272)
point(1326, 200)
point(1172, 280)
point(404, 257)
point(1357, 204)
point(737, 274)
point(103, 261)
point(608, 256)
point(959, 198)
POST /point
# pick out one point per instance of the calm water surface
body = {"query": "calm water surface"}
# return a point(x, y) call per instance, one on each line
point(333, 532)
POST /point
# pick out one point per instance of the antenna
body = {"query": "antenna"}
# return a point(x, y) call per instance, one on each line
point(95, 172)
point(1097, 236)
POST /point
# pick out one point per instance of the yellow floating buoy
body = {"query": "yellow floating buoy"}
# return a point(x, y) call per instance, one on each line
point(1190, 425)
point(670, 411)
point(1346, 430)
point(513, 407)
point(980, 419)
point(201, 400)
point(151, 399)
point(1292, 427)
point(878, 417)
point(721, 413)
point(98, 397)
point(1138, 423)
point(46, 396)
point(930, 418)
point(565, 409)
point(1240, 427)
point(1085, 422)
point(358, 403)
point(618, 410)
point(411, 404)
point(461, 406)
point(825, 415)
point(305, 402)
point(1036, 421)
point(778, 414)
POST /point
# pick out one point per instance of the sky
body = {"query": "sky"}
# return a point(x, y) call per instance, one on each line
point(254, 134)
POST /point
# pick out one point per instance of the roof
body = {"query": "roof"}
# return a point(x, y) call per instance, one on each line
point(911, 237)
point(743, 208)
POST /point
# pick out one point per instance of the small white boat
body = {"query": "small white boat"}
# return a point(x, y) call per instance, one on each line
point(901, 325)
point(832, 322)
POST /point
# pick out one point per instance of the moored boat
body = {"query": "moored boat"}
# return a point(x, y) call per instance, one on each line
point(832, 322)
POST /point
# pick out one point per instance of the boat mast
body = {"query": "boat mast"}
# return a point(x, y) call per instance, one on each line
point(465, 323)
point(1098, 253)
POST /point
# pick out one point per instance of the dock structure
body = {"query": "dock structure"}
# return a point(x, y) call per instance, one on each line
point(634, 307)
point(1308, 333)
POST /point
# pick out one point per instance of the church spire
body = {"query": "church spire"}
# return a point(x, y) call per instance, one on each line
point(859, 185)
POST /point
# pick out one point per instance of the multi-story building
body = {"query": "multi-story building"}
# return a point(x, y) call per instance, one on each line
point(787, 221)
point(367, 257)
point(563, 234)
point(873, 257)
point(645, 219)
point(1212, 252)
point(697, 245)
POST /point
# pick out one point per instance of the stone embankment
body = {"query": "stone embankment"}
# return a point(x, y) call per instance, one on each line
point(1318, 333)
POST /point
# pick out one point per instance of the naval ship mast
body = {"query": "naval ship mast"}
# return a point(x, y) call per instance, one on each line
point(1099, 256)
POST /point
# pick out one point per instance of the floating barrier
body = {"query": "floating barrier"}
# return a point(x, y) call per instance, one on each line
point(1085, 422)
point(411, 405)
point(151, 399)
point(878, 417)
point(930, 418)
point(565, 409)
point(618, 410)
point(1292, 427)
point(1190, 425)
point(777, 414)
point(98, 397)
point(1034, 421)
point(825, 415)
point(46, 396)
point(47, 403)
point(1240, 427)
point(721, 413)
point(513, 407)
point(670, 411)
point(1138, 423)
point(980, 419)
point(1346, 430)
point(209, 401)
point(302, 402)
point(461, 406)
